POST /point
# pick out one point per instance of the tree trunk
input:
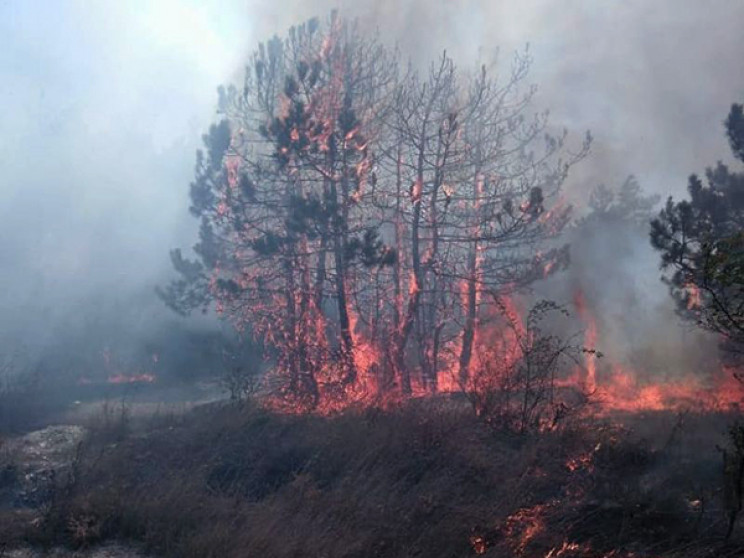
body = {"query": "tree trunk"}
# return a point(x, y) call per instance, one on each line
point(344, 322)
point(468, 333)
point(417, 281)
point(471, 295)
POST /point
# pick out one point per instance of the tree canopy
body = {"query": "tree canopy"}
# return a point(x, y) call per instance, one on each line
point(355, 212)
point(701, 241)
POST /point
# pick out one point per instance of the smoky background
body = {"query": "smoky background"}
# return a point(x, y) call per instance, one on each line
point(104, 105)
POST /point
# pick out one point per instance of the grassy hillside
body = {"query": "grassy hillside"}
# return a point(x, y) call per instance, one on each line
point(427, 479)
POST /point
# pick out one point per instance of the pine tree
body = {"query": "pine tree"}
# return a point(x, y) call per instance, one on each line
point(701, 241)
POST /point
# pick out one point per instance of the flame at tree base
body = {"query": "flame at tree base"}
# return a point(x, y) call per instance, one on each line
point(608, 387)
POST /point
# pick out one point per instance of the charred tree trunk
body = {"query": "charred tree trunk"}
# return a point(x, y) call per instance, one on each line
point(417, 282)
point(290, 327)
point(306, 335)
point(393, 364)
point(471, 294)
point(320, 272)
point(397, 275)
point(302, 383)
point(468, 333)
point(433, 327)
point(342, 305)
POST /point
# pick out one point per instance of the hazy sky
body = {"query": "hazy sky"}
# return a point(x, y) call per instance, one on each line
point(103, 104)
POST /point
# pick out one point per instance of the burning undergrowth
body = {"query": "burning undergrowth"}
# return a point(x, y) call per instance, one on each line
point(528, 373)
point(428, 478)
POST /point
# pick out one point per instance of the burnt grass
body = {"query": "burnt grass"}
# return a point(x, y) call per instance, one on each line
point(427, 479)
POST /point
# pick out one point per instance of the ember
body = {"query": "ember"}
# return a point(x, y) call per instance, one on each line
point(525, 525)
point(479, 544)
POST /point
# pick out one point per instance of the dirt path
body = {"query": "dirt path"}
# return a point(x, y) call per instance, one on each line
point(29, 467)
point(31, 463)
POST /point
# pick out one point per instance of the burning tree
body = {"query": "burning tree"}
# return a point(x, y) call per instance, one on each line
point(701, 241)
point(353, 215)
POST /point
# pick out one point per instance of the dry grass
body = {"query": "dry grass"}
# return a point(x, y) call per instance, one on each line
point(425, 480)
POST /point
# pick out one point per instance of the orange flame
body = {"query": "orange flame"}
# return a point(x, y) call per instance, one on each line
point(621, 388)
point(693, 296)
point(526, 524)
point(590, 341)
